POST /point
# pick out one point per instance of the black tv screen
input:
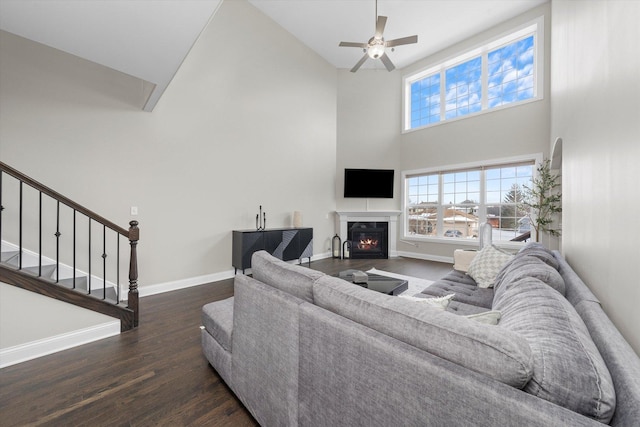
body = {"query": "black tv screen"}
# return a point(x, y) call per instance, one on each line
point(370, 183)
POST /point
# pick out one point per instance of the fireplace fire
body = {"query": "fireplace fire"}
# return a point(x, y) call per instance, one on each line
point(368, 239)
point(367, 244)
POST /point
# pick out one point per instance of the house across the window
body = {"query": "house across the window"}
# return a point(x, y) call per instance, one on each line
point(452, 203)
point(502, 72)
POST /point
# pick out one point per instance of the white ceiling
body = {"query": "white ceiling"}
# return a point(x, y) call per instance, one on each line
point(149, 39)
point(322, 24)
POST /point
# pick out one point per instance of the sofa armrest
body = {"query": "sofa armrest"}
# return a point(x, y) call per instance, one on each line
point(264, 364)
point(462, 259)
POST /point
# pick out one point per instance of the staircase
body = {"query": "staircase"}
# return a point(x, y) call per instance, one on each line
point(80, 263)
point(48, 270)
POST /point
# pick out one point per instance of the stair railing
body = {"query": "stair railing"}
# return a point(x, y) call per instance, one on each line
point(129, 316)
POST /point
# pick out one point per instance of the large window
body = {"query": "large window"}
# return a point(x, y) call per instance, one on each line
point(452, 203)
point(505, 71)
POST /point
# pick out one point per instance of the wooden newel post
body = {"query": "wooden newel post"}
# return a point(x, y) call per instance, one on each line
point(132, 300)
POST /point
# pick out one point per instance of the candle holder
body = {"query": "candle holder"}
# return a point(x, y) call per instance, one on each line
point(261, 220)
point(336, 246)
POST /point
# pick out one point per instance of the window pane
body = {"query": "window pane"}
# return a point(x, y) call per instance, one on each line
point(460, 222)
point(425, 101)
point(510, 70)
point(505, 194)
point(461, 81)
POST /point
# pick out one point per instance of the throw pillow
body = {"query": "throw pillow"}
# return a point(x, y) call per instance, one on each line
point(488, 317)
point(487, 264)
point(441, 303)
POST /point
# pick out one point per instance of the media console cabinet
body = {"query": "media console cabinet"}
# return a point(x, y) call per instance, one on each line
point(284, 243)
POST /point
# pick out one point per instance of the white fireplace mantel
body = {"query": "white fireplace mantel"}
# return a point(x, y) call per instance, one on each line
point(378, 216)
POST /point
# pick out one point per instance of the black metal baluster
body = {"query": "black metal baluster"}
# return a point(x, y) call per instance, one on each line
point(40, 234)
point(20, 232)
point(74, 249)
point(89, 278)
point(57, 241)
point(104, 261)
point(117, 268)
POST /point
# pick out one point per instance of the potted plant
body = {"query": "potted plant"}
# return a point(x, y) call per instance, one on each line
point(542, 200)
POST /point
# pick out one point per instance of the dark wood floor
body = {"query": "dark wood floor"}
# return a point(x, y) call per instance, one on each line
point(153, 375)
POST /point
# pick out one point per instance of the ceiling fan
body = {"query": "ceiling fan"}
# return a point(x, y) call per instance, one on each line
point(375, 47)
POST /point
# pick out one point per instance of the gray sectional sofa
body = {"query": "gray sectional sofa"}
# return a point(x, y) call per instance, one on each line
point(302, 348)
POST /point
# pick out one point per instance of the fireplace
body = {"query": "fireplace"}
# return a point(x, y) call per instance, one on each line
point(368, 239)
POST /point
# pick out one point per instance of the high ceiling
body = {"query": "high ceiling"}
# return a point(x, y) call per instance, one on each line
point(322, 24)
point(158, 34)
point(147, 39)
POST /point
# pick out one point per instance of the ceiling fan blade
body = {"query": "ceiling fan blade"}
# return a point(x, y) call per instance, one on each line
point(359, 63)
point(353, 44)
point(403, 40)
point(380, 23)
point(387, 62)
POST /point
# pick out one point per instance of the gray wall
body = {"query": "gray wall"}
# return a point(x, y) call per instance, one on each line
point(237, 128)
point(595, 110)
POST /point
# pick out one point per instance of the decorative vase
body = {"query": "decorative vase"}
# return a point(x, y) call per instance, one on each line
point(297, 219)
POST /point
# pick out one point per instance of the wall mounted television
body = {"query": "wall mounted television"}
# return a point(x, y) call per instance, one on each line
point(368, 183)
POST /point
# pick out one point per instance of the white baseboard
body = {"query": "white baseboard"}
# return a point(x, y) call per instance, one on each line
point(158, 288)
point(426, 257)
point(32, 350)
point(174, 285)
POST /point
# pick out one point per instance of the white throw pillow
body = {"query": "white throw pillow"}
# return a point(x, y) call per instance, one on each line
point(487, 264)
point(441, 303)
point(488, 317)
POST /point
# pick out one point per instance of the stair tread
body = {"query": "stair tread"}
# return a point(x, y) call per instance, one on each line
point(46, 270)
point(7, 255)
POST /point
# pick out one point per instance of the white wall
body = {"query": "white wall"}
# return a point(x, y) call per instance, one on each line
point(368, 131)
point(370, 117)
point(595, 110)
point(249, 120)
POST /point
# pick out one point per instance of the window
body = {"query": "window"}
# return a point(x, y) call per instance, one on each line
point(451, 203)
point(503, 72)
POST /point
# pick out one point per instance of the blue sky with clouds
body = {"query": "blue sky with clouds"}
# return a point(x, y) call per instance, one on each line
point(510, 79)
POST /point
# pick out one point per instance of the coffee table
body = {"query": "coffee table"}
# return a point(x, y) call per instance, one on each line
point(375, 282)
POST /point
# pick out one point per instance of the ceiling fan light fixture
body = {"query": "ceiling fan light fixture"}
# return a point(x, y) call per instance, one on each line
point(375, 49)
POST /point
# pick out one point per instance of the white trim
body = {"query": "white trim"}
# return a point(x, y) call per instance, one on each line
point(32, 350)
point(535, 157)
point(391, 217)
point(426, 257)
point(174, 285)
point(533, 27)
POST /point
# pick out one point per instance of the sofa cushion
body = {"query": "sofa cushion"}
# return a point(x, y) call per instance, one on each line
point(543, 254)
point(464, 287)
point(217, 319)
point(490, 350)
point(487, 264)
point(524, 265)
point(567, 367)
point(293, 279)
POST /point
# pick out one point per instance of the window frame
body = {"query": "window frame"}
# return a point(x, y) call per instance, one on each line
point(534, 27)
point(535, 159)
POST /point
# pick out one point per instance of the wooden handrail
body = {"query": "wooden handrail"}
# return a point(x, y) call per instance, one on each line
point(128, 316)
point(62, 199)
